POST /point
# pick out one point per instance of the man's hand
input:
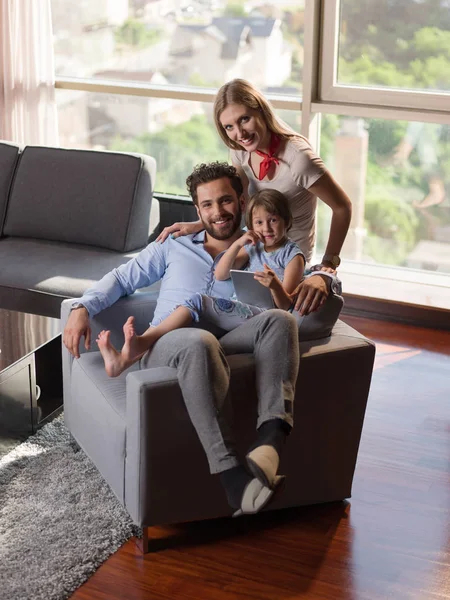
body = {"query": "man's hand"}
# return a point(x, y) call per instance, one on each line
point(312, 293)
point(323, 267)
point(178, 229)
point(77, 326)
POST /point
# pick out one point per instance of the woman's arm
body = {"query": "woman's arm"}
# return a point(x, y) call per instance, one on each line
point(244, 179)
point(281, 291)
point(330, 192)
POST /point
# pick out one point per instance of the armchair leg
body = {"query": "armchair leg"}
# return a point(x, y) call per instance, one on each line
point(142, 543)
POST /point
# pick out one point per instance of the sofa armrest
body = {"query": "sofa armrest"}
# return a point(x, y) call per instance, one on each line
point(154, 402)
point(141, 305)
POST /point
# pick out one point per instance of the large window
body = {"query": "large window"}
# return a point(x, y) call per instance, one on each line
point(397, 174)
point(199, 43)
point(141, 75)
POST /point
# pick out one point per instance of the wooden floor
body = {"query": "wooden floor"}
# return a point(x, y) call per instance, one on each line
point(391, 540)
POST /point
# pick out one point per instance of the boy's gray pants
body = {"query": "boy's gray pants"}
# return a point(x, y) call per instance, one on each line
point(228, 314)
point(204, 375)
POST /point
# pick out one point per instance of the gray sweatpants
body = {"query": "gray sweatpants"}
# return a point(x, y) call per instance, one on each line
point(204, 375)
point(223, 314)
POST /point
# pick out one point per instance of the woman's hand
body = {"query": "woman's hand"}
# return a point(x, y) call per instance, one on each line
point(178, 229)
point(311, 294)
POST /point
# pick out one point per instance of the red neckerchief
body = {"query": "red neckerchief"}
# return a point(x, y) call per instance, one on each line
point(268, 158)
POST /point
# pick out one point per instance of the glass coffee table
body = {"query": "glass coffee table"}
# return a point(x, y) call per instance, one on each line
point(30, 372)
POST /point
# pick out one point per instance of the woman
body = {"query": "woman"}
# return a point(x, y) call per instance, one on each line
point(267, 153)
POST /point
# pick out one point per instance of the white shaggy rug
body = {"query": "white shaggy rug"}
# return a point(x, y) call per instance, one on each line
point(58, 518)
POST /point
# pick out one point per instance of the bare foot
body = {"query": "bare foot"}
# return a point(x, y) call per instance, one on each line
point(114, 362)
point(135, 346)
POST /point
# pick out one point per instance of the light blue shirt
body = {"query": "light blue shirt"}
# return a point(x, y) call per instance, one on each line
point(182, 265)
point(277, 260)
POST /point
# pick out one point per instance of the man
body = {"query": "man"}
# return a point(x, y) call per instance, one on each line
point(186, 266)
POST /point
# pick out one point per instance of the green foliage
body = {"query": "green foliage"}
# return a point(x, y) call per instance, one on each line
point(136, 34)
point(328, 131)
point(234, 9)
point(402, 44)
point(384, 137)
point(198, 80)
point(369, 70)
point(177, 149)
point(428, 40)
point(392, 226)
point(431, 73)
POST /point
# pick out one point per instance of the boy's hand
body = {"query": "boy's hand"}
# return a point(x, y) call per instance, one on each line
point(249, 237)
point(267, 278)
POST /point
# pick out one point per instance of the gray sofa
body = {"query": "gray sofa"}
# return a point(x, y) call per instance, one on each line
point(137, 431)
point(66, 218)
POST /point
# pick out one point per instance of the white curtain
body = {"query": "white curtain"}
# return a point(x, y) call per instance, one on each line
point(27, 92)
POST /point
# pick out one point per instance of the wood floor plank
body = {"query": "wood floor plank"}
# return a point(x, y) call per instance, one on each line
point(391, 540)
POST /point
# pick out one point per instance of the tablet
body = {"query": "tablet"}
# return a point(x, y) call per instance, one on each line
point(249, 290)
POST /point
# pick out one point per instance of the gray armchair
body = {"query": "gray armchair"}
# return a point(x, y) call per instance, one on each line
point(136, 429)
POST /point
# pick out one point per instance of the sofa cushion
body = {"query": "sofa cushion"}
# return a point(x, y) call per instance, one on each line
point(80, 196)
point(50, 271)
point(9, 153)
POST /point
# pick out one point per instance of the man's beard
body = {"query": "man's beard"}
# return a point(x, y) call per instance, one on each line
point(224, 234)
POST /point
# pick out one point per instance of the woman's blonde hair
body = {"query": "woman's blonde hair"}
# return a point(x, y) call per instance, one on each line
point(274, 202)
point(240, 91)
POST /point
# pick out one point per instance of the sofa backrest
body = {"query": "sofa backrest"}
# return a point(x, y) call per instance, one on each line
point(9, 155)
point(88, 197)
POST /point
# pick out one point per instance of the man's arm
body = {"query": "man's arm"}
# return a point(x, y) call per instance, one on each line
point(143, 270)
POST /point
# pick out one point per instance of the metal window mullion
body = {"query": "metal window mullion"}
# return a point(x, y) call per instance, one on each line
point(311, 52)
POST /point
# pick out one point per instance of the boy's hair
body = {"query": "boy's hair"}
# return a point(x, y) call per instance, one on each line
point(205, 173)
point(274, 202)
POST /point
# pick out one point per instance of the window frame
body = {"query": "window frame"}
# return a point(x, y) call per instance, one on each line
point(332, 91)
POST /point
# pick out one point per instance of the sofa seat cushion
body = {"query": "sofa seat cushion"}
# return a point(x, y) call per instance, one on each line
point(37, 275)
point(65, 270)
point(91, 366)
